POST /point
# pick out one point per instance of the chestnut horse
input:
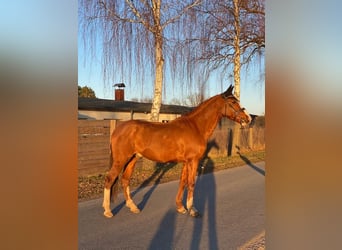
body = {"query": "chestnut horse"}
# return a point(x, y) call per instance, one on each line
point(181, 140)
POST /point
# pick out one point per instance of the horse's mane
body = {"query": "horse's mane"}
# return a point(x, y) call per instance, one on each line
point(201, 106)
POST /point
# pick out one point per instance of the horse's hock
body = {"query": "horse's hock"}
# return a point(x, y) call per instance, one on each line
point(94, 139)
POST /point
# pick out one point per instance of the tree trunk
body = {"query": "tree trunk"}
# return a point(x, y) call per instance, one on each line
point(236, 71)
point(237, 56)
point(157, 98)
point(159, 60)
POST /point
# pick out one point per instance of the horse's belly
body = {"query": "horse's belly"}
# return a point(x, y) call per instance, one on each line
point(164, 146)
point(163, 155)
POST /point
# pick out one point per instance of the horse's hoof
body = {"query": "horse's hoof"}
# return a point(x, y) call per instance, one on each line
point(194, 213)
point(108, 214)
point(132, 207)
point(181, 210)
point(135, 210)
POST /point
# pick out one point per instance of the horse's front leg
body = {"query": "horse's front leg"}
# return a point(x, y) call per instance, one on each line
point(192, 171)
point(182, 184)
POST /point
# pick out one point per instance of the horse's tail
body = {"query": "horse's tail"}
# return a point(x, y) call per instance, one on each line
point(115, 189)
point(110, 155)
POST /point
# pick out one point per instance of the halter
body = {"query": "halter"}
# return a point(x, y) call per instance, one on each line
point(236, 112)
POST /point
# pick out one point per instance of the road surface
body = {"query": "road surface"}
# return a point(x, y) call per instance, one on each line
point(231, 202)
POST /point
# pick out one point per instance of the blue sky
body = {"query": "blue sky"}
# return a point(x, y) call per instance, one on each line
point(252, 84)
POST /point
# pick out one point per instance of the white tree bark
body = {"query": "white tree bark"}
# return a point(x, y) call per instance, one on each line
point(159, 60)
point(237, 55)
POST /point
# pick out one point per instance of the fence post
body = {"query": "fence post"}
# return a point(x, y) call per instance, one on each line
point(236, 140)
point(250, 138)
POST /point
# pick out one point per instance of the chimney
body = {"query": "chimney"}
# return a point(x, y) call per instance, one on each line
point(119, 91)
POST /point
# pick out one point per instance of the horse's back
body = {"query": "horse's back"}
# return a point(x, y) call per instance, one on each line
point(132, 130)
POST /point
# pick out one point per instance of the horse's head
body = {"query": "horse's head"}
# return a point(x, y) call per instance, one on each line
point(232, 109)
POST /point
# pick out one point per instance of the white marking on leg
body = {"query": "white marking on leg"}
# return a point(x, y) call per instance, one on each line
point(128, 192)
point(106, 203)
point(130, 203)
point(189, 203)
point(192, 210)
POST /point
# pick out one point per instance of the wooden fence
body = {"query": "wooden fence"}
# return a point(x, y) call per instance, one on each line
point(94, 138)
point(93, 146)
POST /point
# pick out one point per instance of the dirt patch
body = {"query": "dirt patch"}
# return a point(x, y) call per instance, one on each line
point(150, 173)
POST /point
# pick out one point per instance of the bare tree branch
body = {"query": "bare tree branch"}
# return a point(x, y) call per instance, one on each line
point(138, 15)
point(195, 37)
point(112, 14)
point(183, 11)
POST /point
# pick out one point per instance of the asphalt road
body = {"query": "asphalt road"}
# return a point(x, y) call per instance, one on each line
point(231, 202)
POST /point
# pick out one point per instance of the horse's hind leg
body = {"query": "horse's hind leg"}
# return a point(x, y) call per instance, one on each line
point(109, 181)
point(125, 185)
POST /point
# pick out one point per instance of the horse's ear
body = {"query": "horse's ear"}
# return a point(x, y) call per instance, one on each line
point(228, 92)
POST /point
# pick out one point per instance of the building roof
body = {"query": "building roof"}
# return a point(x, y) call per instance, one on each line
point(127, 106)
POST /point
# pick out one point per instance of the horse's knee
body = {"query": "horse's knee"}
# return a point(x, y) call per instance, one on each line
point(109, 180)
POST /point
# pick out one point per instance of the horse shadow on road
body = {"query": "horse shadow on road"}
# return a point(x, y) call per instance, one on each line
point(205, 201)
point(153, 181)
point(161, 169)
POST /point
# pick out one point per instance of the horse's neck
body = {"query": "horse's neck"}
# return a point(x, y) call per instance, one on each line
point(206, 118)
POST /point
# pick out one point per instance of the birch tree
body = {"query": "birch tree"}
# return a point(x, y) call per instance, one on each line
point(230, 35)
point(249, 34)
point(236, 45)
point(133, 30)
